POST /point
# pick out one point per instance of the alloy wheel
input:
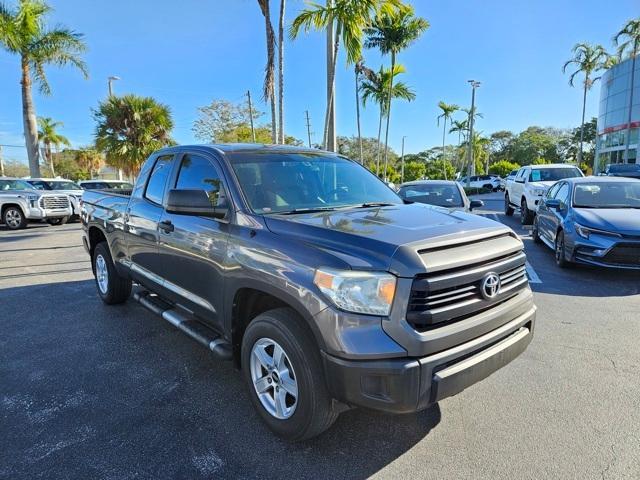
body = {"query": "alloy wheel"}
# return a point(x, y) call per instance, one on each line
point(273, 378)
point(13, 218)
point(102, 274)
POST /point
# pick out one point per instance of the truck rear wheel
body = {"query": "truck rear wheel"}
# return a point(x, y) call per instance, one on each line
point(526, 215)
point(14, 219)
point(284, 375)
point(112, 288)
point(508, 209)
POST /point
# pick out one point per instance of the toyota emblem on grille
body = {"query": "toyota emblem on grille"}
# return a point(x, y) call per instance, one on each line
point(490, 286)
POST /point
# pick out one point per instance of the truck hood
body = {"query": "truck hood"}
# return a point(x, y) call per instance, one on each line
point(369, 238)
point(619, 220)
point(544, 185)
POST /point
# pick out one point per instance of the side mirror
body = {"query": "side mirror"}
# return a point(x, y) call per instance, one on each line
point(475, 204)
point(194, 202)
point(553, 203)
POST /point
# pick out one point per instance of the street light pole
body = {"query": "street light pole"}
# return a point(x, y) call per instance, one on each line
point(471, 167)
point(402, 161)
point(110, 83)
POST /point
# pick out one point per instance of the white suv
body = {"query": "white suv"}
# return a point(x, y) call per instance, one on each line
point(530, 184)
point(490, 182)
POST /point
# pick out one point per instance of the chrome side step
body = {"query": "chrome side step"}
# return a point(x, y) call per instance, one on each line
point(183, 321)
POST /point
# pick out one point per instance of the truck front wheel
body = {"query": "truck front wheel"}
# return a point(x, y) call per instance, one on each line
point(14, 219)
point(112, 288)
point(284, 375)
point(508, 209)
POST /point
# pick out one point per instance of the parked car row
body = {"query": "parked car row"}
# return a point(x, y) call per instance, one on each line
point(591, 220)
point(54, 200)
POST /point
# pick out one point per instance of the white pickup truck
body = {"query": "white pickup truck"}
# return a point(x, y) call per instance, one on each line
point(19, 203)
point(530, 184)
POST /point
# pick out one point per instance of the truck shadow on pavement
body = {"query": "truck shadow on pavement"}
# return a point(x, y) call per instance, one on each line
point(90, 391)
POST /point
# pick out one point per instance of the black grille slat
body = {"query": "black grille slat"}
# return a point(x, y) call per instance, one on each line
point(624, 254)
point(445, 297)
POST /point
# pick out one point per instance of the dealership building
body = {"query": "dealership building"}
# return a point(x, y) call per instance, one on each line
point(613, 117)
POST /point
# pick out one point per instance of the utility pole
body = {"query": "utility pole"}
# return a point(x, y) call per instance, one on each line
point(471, 167)
point(308, 127)
point(1, 164)
point(253, 132)
point(402, 161)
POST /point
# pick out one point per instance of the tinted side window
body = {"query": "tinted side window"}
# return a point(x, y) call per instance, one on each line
point(198, 173)
point(563, 194)
point(158, 179)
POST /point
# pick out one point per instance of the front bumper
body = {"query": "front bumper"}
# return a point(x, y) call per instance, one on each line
point(405, 385)
point(43, 213)
point(604, 251)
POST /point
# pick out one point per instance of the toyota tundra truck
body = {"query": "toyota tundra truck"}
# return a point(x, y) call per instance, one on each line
point(21, 203)
point(325, 289)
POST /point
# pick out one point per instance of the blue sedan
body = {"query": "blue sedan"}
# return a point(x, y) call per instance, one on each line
point(592, 220)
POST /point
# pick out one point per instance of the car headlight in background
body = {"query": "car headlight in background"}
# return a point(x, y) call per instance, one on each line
point(539, 191)
point(357, 291)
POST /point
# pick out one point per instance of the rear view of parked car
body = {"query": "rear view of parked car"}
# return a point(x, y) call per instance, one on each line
point(629, 170)
point(488, 182)
point(592, 220)
point(440, 193)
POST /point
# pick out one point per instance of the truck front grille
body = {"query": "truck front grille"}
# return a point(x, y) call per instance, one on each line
point(52, 202)
point(450, 295)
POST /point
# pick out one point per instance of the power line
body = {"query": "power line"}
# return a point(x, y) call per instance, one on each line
point(13, 146)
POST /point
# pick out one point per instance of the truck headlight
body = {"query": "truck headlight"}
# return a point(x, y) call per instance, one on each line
point(357, 291)
point(539, 191)
point(33, 200)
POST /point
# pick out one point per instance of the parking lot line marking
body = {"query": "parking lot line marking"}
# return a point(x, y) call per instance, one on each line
point(531, 273)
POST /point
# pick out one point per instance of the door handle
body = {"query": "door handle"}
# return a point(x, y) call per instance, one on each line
point(166, 226)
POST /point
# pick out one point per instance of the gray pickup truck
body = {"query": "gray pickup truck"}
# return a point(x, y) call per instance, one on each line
point(317, 280)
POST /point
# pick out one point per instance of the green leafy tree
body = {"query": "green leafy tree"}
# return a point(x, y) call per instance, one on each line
point(89, 160)
point(376, 88)
point(391, 32)
point(587, 59)
point(500, 143)
point(23, 32)
point(350, 147)
point(448, 109)
point(130, 128)
point(503, 168)
point(49, 137)
point(219, 121)
point(349, 18)
point(531, 144)
point(438, 169)
point(414, 171)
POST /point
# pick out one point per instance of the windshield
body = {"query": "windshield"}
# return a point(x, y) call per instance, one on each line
point(553, 174)
point(14, 185)
point(64, 185)
point(433, 194)
point(288, 182)
point(607, 195)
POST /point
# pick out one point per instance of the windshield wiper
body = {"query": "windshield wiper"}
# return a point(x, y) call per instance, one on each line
point(374, 204)
point(305, 210)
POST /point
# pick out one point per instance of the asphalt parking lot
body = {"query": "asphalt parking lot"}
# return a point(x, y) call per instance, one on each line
point(90, 391)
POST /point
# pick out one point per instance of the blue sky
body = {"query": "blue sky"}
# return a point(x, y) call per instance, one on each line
point(189, 52)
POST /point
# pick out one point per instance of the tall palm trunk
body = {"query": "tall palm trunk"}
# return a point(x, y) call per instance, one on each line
point(29, 120)
point(281, 72)
point(379, 133)
point(49, 157)
point(329, 144)
point(357, 70)
point(386, 135)
point(444, 131)
point(584, 107)
point(268, 89)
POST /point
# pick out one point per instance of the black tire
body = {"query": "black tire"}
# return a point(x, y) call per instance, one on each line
point(508, 209)
point(14, 218)
point(561, 251)
point(314, 411)
point(117, 288)
point(526, 215)
point(535, 231)
point(488, 186)
point(57, 221)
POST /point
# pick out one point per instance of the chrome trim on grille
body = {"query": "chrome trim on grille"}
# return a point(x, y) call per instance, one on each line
point(53, 202)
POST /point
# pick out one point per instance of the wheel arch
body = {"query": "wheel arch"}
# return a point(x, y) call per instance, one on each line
point(9, 205)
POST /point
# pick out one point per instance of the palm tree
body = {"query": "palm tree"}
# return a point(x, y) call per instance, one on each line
point(130, 128)
point(391, 33)
point(628, 40)
point(268, 89)
point(448, 109)
point(48, 136)
point(281, 73)
point(23, 32)
point(460, 126)
point(376, 88)
point(360, 69)
point(349, 18)
point(89, 159)
point(588, 59)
